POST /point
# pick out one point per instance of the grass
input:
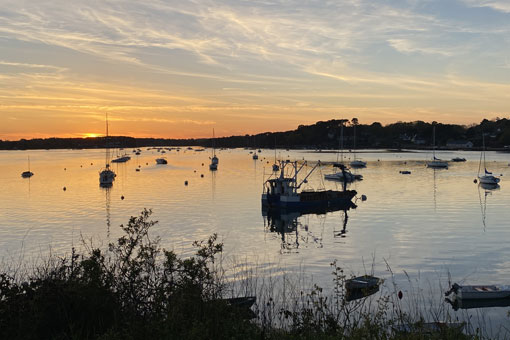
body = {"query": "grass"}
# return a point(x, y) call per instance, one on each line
point(134, 289)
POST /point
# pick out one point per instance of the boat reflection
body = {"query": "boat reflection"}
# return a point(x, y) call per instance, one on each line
point(477, 303)
point(487, 191)
point(356, 294)
point(107, 192)
point(489, 186)
point(293, 232)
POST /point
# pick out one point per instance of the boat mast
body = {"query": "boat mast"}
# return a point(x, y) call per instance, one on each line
point(354, 142)
point(482, 155)
point(275, 149)
point(213, 144)
point(107, 150)
point(341, 143)
point(434, 142)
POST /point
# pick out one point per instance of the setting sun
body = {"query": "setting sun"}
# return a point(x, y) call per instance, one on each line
point(91, 135)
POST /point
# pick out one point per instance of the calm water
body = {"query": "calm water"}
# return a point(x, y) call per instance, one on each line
point(425, 224)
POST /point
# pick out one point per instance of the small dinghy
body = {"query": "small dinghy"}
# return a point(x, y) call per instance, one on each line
point(362, 282)
point(356, 294)
point(479, 292)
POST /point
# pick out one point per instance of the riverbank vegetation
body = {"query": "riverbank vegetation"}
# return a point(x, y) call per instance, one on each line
point(321, 135)
point(135, 289)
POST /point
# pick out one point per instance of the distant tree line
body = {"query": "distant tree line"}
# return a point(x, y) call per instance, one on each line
point(321, 135)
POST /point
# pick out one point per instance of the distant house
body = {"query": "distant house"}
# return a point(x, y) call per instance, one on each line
point(459, 144)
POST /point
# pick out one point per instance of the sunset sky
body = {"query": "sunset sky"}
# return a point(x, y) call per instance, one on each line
point(180, 68)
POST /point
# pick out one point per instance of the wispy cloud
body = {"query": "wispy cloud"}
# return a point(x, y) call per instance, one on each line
point(502, 6)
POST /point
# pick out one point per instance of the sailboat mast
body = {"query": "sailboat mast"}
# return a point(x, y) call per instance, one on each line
point(483, 145)
point(213, 143)
point(354, 142)
point(107, 142)
point(434, 142)
point(341, 143)
point(274, 149)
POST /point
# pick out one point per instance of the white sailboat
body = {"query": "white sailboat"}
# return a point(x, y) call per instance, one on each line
point(214, 159)
point(487, 177)
point(106, 175)
point(356, 163)
point(28, 173)
point(436, 162)
point(342, 174)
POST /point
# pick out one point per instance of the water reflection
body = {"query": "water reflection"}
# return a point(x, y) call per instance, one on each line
point(294, 231)
point(477, 303)
point(107, 192)
point(487, 191)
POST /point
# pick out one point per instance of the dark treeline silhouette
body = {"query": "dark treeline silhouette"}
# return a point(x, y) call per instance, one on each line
point(321, 135)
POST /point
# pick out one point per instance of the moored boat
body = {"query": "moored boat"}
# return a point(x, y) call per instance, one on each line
point(214, 159)
point(28, 173)
point(106, 175)
point(121, 159)
point(343, 174)
point(282, 192)
point(482, 292)
point(436, 162)
point(487, 177)
point(358, 164)
point(362, 282)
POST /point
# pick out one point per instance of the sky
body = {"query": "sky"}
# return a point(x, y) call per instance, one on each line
point(178, 69)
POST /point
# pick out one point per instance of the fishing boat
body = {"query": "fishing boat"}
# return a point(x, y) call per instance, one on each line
point(214, 160)
point(161, 161)
point(283, 191)
point(106, 175)
point(28, 173)
point(481, 292)
point(487, 177)
point(436, 162)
